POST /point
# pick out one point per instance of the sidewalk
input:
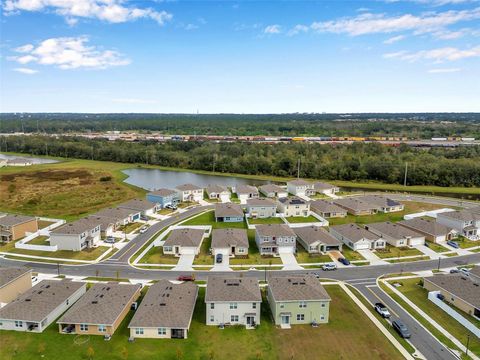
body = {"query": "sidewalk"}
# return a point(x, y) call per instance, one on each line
point(370, 256)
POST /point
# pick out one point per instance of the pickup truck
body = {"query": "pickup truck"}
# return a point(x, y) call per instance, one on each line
point(382, 310)
point(329, 267)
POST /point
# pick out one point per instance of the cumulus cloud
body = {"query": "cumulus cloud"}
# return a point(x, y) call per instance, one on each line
point(444, 70)
point(113, 11)
point(436, 55)
point(394, 39)
point(69, 53)
point(26, 71)
point(297, 29)
point(273, 29)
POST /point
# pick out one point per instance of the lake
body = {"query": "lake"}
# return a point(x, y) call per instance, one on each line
point(151, 179)
point(33, 160)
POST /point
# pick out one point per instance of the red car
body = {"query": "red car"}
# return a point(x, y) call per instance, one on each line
point(186, 278)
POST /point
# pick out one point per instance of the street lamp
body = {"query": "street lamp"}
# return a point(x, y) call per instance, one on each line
point(468, 343)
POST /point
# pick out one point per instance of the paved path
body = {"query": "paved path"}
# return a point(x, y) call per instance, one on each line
point(225, 264)
point(429, 252)
point(290, 262)
point(185, 262)
point(370, 256)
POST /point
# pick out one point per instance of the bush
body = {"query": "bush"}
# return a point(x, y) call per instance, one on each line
point(105, 178)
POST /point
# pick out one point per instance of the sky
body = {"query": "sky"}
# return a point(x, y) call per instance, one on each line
point(239, 56)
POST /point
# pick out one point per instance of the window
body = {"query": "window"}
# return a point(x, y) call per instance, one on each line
point(302, 304)
point(212, 318)
point(233, 306)
point(139, 331)
point(162, 331)
point(323, 305)
point(167, 248)
point(234, 318)
point(212, 306)
point(322, 317)
point(18, 323)
point(102, 328)
point(254, 305)
point(240, 250)
point(83, 327)
point(300, 317)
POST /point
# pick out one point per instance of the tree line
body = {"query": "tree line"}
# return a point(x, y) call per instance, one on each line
point(356, 162)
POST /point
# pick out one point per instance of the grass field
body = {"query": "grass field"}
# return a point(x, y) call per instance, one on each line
point(87, 254)
point(39, 240)
point(395, 252)
point(420, 258)
point(271, 220)
point(342, 338)
point(437, 247)
point(304, 257)
point(301, 219)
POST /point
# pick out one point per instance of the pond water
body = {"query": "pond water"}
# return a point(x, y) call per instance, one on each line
point(33, 160)
point(151, 179)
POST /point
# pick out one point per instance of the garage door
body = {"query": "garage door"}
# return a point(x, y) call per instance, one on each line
point(285, 250)
point(187, 251)
point(416, 241)
point(362, 246)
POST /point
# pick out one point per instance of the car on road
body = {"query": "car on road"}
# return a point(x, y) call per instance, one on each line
point(382, 310)
point(329, 267)
point(186, 278)
point(344, 261)
point(143, 229)
point(219, 258)
point(401, 329)
point(454, 271)
point(453, 244)
point(465, 271)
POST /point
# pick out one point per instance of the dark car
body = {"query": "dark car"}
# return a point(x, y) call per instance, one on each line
point(344, 261)
point(401, 329)
point(453, 244)
point(186, 278)
point(219, 258)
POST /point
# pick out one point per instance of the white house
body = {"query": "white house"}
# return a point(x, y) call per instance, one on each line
point(246, 192)
point(464, 222)
point(300, 187)
point(275, 239)
point(325, 188)
point(293, 206)
point(272, 190)
point(189, 192)
point(76, 236)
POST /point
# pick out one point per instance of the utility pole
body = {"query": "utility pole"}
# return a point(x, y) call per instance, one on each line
point(468, 343)
point(406, 171)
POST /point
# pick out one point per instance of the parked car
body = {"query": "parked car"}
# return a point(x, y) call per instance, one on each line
point(329, 267)
point(454, 271)
point(401, 329)
point(143, 229)
point(440, 297)
point(144, 218)
point(382, 310)
point(219, 258)
point(344, 261)
point(453, 244)
point(465, 271)
point(69, 329)
point(186, 278)
point(110, 240)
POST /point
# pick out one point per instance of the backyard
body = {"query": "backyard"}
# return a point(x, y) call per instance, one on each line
point(302, 219)
point(39, 240)
point(270, 220)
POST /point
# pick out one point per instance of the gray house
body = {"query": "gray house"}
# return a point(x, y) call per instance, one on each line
point(357, 207)
point(384, 203)
point(433, 231)
point(218, 192)
point(357, 238)
point(275, 239)
point(396, 235)
point(77, 235)
point(228, 212)
point(233, 242)
point(272, 190)
point(327, 209)
point(464, 222)
point(261, 208)
point(246, 192)
point(315, 240)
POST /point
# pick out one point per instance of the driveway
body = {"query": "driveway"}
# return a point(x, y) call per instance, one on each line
point(289, 262)
point(370, 256)
point(185, 262)
point(429, 252)
point(225, 264)
point(225, 198)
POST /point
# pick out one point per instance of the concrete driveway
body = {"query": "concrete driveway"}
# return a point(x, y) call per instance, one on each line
point(429, 252)
point(370, 256)
point(289, 262)
point(225, 264)
point(185, 262)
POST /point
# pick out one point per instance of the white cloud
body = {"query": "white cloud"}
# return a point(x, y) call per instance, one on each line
point(297, 29)
point(25, 48)
point(444, 70)
point(273, 29)
point(191, 27)
point(26, 71)
point(113, 11)
point(394, 39)
point(70, 53)
point(436, 55)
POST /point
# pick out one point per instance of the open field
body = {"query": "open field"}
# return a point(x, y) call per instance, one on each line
point(208, 342)
point(87, 254)
point(395, 252)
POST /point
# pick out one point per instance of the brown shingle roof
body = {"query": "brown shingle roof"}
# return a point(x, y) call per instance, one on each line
point(185, 237)
point(354, 233)
point(459, 285)
point(7, 275)
point(297, 288)
point(116, 213)
point(320, 186)
point(269, 188)
point(392, 230)
point(426, 226)
point(163, 192)
point(216, 189)
point(274, 230)
point(261, 202)
point(463, 215)
point(187, 187)
point(246, 189)
point(379, 200)
point(222, 238)
point(232, 288)
point(324, 206)
point(299, 182)
point(312, 234)
point(355, 205)
point(228, 210)
point(137, 204)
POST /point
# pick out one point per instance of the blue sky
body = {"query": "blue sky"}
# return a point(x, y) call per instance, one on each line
point(240, 56)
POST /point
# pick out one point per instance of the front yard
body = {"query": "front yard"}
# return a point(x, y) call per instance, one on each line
point(87, 254)
point(208, 218)
point(254, 256)
point(436, 247)
point(464, 243)
point(350, 254)
point(127, 229)
point(304, 257)
point(396, 252)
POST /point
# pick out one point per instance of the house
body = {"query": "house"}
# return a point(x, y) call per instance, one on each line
point(432, 230)
point(233, 300)
point(101, 310)
point(228, 212)
point(357, 207)
point(261, 208)
point(300, 187)
point(13, 282)
point(121, 216)
point(218, 192)
point(356, 237)
point(272, 190)
point(315, 240)
point(165, 312)
point(275, 239)
point(293, 206)
point(145, 207)
point(396, 235)
point(14, 227)
point(325, 188)
point(464, 222)
point(459, 290)
point(38, 307)
point(246, 192)
point(163, 197)
point(299, 299)
point(77, 235)
point(327, 209)
point(384, 203)
point(229, 241)
point(107, 225)
point(189, 193)
point(183, 241)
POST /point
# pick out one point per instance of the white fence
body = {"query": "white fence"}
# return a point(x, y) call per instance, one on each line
point(23, 244)
point(432, 213)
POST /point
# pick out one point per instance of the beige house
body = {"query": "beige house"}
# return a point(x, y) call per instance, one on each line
point(396, 235)
point(300, 187)
point(218, 192)
point(432, 230)
point(325, 188)
point(327, 209)
point(357, 207)
point(316, 240)
point(233, 242)
point(14, 227)
point(357, 238)
point(261, 208)
point(246, 192)
point(293, 206)
point(165, 312)
point(384, 203)
point(272, 190)
point(184, 241)
point(13, 282)
point(100, 311)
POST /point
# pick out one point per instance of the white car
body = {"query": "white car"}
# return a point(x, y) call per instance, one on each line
point(382, 310)
point(465, 271)
point(329, 267)
point(143, 229)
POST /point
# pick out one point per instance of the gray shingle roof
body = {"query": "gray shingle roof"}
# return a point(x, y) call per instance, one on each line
point(104, 222)
point(312, 234)
point(77, 227)
point(39, 301)
point(293, 200)
point(324, 206)
point(232, 288)
point(216, 189)
point(475, 271)
point(261, 202)
point(7, 275)
point(187, 187)
point(356, 205)
point(246, 189)
point(297, 288)
point(463, 215)
point(166, 305)
point(392, 230)
point(276, 230)
point(320, 186)
point(228, 210)
point(459, 285)
point(137, 204)
point(299, 182)
point(102, 304)
point(354, 233)
point(12, 220)
point(163, 192)
point(379, 200)
point(222, 238)
point(269, 188)
point(116, 213)
point(185, 237)
point(426, 226)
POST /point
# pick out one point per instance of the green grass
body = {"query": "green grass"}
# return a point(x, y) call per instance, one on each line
point(208, 342)
point(420, 258)
point(304, 257)
point(302, 219)
point(437, 247)
point(156, 256)
point(393, 252)
point(39, 240)
point(464, 243)
point(208, 218)
point(87, 254)
point(43, 224)
point(270, 220)
point(350, 254)
point(204, 257)
point(130, 227)
point(254, 256)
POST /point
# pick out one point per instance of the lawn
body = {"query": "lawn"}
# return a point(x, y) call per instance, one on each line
point(302, 219)
point(271, 220)
point(418, 295)
point(304, 257)
point(43, 223)
point(208, 218)
point(87, 254)
point(436, 247)
point(208, 342)
point(131, 227)
point(155, 256)
point(204, 258)
point(39, 240)
point(350, 254)
point(420, 258)
point(464, 243)
point(395, 252)
point(254, 256)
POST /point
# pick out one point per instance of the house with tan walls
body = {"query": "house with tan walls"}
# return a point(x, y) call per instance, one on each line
point(14, 227)
point(13, 282)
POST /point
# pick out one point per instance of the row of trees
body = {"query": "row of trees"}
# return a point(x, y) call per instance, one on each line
point(358, 162)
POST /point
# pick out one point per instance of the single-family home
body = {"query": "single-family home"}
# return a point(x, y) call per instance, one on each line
point(356, 237)
point(315, 240)
point(145, 207)
point(163, 197)
point(261, 208)
point(189, 193)
point(13, 282)
point(299, 299)
point(14, 227)
point(101, 310)
point(293, 206)
point(107, 225)
point(121, 216)
point(384, 203)
point(218, 192)
point(165, 312)
point(275, 239)
point(325, 188)
point(300, 187)
point(459, 290)
point(233, 242)
point(327, 209)
point(228, 212)
point(396, 235)
point(432, 230)
point(38, 307)
point(464, 222)
point(77, 235)
point(246, 192)
point(183, 241)
point(233, 300)
point(357, 207)
point(272, 190)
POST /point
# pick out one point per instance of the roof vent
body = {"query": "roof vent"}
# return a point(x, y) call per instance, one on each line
point(94, 302)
